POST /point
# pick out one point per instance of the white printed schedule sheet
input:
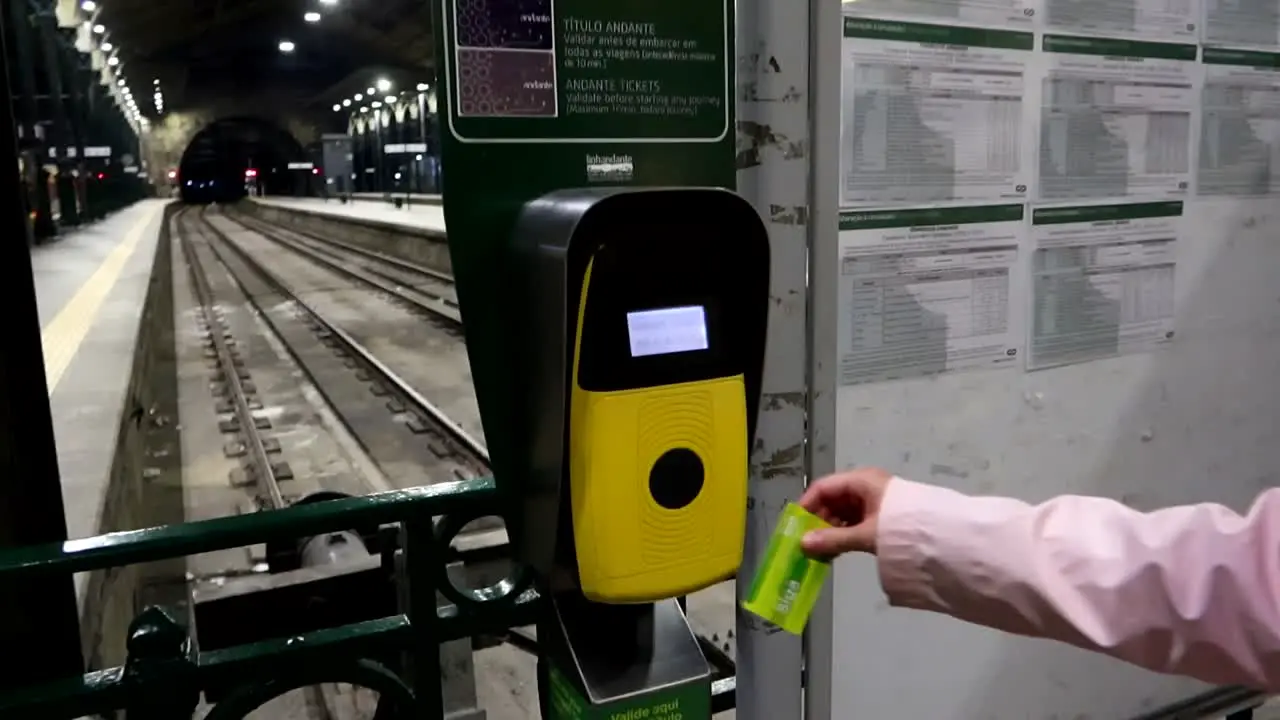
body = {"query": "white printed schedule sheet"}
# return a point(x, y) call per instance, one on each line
point(1254, 23)
point(930, 291)
point(1173, 20)
point(932, 113)
point(1102, 281)
point(1116, 118)
point(1239, 124)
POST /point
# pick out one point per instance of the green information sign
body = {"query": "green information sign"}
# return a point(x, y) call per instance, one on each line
point(544, 95)
point(690, 701)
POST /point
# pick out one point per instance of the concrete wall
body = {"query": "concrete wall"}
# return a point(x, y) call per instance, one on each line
point(145, 484)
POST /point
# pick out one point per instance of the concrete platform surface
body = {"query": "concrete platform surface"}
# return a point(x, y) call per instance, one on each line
point(91, 285)
point(423, 217)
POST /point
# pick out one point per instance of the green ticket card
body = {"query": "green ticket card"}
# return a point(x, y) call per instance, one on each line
point(788, 582)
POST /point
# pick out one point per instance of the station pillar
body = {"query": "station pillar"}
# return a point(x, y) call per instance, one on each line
point(22, 54)
point(40, 614)
point(60, 135)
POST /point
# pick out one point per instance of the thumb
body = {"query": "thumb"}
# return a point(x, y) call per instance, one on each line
point(830, 542)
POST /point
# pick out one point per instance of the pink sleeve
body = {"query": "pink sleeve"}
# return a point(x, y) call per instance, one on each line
point(1189, 590)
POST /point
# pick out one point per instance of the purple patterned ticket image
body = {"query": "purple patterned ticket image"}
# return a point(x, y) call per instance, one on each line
point(506, 59)
point(511, 83)
point(504, 24)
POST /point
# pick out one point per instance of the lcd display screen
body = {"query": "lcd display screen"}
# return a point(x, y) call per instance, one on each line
point(667, 330)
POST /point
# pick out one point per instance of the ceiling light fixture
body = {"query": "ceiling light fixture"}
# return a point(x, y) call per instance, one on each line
point(99, 29)
point(383, 84)
point(346, 103)
point(358, 97)
point(120, 82)
point(364, 109)
point(337, 108)
point(370, 92)
point(287, 46)
point(107, 46)
point(88, 6)
point(391, 99)
point(113, 61)
point(312, 17)
point(375, 104)
point(422, 87)
point(329, 2)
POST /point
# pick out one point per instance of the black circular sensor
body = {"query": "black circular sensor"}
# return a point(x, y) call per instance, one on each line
point(676, 478)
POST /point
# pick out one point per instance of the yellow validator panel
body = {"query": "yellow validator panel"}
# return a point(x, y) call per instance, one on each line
point(646, 318)
point(657, 474)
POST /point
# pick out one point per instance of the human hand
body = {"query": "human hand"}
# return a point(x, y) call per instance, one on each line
point(850, 501)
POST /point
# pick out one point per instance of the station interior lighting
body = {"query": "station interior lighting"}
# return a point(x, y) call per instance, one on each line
point(99, 29)
point(423, 87)
point(106, 46)
point(358, 97)
point(88, 6)
point(287, 46)
point(370, 91)
point(329, 2)
point(391, 99)
point(364, 109)
point(375, 104)
point(383, 84)
point(113, 61)
point(312, 17)
point(346, 103)
point(337, 108)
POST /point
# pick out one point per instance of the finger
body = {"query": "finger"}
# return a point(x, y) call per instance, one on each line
point(830, 542)
point(822, 494)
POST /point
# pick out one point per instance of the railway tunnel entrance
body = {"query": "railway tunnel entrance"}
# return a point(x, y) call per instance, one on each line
point(235, 155)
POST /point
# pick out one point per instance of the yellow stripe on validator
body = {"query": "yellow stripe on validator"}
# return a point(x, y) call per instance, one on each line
point(62, 337)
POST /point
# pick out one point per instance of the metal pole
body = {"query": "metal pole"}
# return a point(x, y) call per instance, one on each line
point(20, 20)
point(773, 47)
point(59, 135)
point(40, 612)
point(824, 230)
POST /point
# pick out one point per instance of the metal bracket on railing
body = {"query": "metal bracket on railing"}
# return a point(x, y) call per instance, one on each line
point(160, 656)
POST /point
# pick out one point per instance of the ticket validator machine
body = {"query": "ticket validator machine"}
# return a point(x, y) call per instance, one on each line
point(645, 320)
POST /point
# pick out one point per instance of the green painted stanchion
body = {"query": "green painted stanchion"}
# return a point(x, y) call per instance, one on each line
point(587, 107)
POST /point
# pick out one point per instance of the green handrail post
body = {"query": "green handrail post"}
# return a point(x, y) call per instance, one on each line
point(421, 561)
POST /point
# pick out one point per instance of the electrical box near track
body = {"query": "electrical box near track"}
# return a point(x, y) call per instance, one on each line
point(648, 318)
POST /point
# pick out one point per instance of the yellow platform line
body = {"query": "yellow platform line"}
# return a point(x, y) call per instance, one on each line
point(62, 337)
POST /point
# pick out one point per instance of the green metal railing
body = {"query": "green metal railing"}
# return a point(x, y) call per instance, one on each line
point(165, 673)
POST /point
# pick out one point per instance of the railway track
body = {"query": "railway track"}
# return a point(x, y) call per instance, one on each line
point(395, 425)
point(429, 291)
point(345, 372)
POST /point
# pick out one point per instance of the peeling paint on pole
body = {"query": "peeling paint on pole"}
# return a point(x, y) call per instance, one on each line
point(773, 173)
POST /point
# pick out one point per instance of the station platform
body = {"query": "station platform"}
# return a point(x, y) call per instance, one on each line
point(91, 286)
point(423, 217)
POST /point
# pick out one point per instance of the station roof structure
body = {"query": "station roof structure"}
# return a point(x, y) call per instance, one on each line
point(292, 53)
